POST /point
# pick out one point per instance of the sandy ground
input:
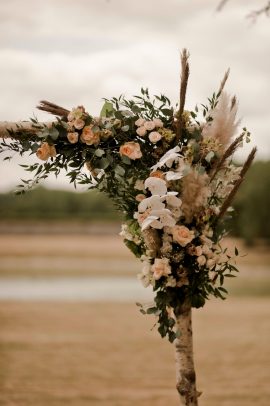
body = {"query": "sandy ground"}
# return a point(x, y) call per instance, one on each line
point(104, 354)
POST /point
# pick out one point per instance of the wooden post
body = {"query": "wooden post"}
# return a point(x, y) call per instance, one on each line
point(185, 370)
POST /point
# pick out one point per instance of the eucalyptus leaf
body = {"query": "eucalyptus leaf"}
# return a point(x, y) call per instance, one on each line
point(119, 170)
point(99, 152)
point(107, 109)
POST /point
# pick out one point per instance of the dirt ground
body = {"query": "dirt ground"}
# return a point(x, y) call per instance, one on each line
point(104, 354)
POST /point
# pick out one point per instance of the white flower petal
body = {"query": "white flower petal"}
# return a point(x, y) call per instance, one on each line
point(152, 202)
point(168, 158)
point(148, 221)
point(171, 175)
point(156, 186)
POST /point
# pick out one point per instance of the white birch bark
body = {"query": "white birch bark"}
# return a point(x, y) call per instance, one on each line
point(18, 127)
point(185, 370)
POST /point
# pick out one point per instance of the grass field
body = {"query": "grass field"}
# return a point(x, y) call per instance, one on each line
point(105, 354)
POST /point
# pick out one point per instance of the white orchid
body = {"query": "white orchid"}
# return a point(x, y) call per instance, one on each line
point(173, 175)
point(156, 186)
point(151, 221)
point(152, 202)
point(168, 159)
point(159, 219)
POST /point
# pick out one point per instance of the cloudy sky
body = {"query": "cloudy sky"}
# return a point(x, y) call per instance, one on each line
point(77, 52)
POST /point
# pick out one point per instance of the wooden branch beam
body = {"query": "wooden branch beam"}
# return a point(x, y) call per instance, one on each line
point(19, 128)
point(26, 128)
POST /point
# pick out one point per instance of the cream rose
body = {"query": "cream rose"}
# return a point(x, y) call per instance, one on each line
point(158, 123)
point(182, 235)
point(76, 113)
point(73, 137)
point(46, 151)
point(149, 125)
point(161, 267)
point(131, 149)
point(89, 137)
point(201, 260)
point(154, 137)
point(195, 250)
point(140, 122)
point(141, 131)
point(210, 263)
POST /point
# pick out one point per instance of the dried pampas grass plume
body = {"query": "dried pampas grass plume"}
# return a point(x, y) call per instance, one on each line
point(52, 108)
point(223, 82)
point(223, 125)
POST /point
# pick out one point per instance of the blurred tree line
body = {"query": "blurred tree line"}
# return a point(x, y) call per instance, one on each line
point(251, 219)
point(48, 204)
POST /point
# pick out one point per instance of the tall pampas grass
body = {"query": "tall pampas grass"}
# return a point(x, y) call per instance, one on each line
point(223, 125)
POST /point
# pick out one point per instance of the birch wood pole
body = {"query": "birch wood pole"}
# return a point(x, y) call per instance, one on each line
point(185, 370)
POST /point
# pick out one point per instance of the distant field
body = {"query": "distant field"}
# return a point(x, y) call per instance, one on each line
point(69, 254)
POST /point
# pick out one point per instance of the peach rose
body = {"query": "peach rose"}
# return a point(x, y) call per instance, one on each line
point(154, 137)
point(131, 149)
point(157, 174)
point(182, 235)
point(201, 260)
point(73, 137)
point(161, 267)
point(140, 217)
point(89, 137)
point(141, 131)
point(140, 197)
point(46, 151)
point(78, 123)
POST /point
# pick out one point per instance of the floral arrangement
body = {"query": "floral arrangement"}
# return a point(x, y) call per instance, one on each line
point(171, 173)
point(173, 189)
